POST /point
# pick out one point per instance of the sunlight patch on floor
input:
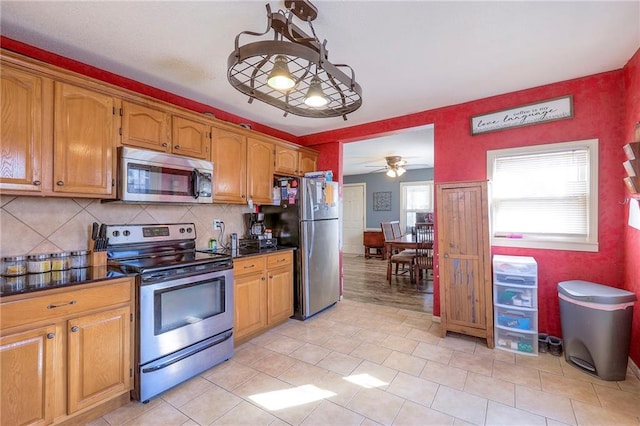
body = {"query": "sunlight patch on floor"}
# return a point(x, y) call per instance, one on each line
point(278, 400)
point(366, 381)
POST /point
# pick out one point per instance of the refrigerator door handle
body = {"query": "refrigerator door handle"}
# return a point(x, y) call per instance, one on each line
point(311, 202)
point(313, 238)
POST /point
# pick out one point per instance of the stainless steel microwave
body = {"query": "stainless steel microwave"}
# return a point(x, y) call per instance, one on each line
point(156, 177)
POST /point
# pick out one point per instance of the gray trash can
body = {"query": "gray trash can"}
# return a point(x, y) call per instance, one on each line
point(596, 327)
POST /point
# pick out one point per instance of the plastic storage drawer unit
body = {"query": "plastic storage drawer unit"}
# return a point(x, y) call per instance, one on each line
point(596, 327)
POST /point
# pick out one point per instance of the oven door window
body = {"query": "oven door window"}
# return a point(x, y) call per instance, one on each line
point(148, 179)
point(188, 304)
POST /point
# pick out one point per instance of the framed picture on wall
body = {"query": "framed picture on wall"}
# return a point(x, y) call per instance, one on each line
point(382, 201)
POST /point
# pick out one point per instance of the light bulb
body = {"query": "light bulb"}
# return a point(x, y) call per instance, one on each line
point(391, 173)
point(280, 77)
point(315, 96)
point(400, 171)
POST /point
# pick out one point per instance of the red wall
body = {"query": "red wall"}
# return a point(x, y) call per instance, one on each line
point(632, 235)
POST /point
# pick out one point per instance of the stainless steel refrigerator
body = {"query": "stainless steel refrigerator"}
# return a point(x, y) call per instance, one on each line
point(309, 220)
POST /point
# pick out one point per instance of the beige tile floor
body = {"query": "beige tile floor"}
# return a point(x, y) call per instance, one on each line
point(363, 364)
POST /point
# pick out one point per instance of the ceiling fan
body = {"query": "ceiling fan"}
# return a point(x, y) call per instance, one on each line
point(395, 166)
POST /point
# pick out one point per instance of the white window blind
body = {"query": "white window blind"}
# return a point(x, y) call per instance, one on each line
point(545, 193)
point(416, 197)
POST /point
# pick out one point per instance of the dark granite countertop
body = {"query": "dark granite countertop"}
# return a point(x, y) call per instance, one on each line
point(56, 279)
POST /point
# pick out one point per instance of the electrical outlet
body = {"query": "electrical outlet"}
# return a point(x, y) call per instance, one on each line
point(217, 224)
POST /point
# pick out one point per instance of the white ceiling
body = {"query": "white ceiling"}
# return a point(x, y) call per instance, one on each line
point(408, 56)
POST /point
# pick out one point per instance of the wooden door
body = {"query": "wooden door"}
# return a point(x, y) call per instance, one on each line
point(307, 162)
point(465, 259)
point(286, 161)
point(353, 225)
point(85, 137)
point(21, 132)
point(260, 171)
point(229, 156)
point(191, 138)
point(250, 304)
point(99, 357)
point(146, 127)
point(26, 364)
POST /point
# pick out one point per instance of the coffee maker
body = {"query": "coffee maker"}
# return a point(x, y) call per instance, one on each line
point(255, 233)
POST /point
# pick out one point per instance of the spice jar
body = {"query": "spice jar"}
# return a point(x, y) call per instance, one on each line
point(60, 261)
point(38, 263)
point(14, 265)
point(80, 259)
point(39, 280)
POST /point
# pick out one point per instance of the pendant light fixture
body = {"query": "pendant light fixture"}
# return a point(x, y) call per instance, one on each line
point(292, 71)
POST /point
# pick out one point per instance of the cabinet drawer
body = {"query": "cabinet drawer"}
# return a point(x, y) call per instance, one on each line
point(515, 318)
point(249, 265)
point(515, 296)
point(59, 304)
point(280, 259)
point(517, 342)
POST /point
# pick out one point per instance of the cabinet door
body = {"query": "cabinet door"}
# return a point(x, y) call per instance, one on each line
point(146, 127)
point(250, 293)
point(191, 138)
point(260, 170)
point(280, 294)
point(463, 240)
point(99, 357)
point(286, 161)
point(21, 130)
point(26, 363)
point(85, 138)
point(229, 156)
point(307, 162)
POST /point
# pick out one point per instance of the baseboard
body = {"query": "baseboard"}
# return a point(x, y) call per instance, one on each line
point(634, 368)
point(435, 319)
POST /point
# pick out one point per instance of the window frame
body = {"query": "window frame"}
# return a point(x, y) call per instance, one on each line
point(588, 244)
point(403, 199)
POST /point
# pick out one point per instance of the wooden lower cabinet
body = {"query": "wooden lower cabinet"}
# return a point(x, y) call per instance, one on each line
point(26, 362)
point(263, 293)
point(464, 259)
point(65, 354)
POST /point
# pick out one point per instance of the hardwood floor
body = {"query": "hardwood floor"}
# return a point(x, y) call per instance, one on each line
point(365, 281)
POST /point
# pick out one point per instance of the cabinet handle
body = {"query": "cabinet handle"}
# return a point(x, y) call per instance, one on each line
point(164, 145)
point(262, 278)
point(176, 147)
point(270, 277)
point(52, 306)
point(244, 196)
point(51, 335)
point(37, 182)
point(74, 329)
point(60, 183)
point(249, 266)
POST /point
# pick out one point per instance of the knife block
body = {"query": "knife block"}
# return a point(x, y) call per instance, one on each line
point(98, 258)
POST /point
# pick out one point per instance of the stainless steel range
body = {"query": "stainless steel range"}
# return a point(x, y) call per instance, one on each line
point(184, 303)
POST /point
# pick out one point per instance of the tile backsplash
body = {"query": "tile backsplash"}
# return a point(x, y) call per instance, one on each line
point(48, 225)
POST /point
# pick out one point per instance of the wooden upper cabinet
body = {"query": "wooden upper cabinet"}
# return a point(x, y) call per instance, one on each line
point(146, 127)
point(307, 162)
point(191, 138)
point(85, 136)
point(229, 156)
point(260, 165)
point(21, 132)
point(286, 160)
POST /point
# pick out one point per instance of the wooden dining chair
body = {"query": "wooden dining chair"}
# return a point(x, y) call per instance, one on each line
point(395, 228)
point(404, 258)
point(425, 235)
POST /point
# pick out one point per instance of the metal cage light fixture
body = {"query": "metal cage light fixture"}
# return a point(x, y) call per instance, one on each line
point(292, 72)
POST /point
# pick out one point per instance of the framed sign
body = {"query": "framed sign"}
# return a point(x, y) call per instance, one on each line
point(525, 115)
point(381, 201)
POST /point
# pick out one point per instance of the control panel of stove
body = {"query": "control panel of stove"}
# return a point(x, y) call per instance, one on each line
point(128, 234)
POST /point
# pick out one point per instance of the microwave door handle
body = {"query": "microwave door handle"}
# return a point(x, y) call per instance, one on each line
point(195, 183)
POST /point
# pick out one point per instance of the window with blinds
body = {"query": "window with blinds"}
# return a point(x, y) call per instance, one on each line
point(416, 199)
point(545, 196)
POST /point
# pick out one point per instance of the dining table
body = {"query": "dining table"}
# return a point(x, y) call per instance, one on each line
point(407, 241)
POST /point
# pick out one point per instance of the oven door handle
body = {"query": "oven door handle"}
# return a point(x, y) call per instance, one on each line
point(178, 358)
